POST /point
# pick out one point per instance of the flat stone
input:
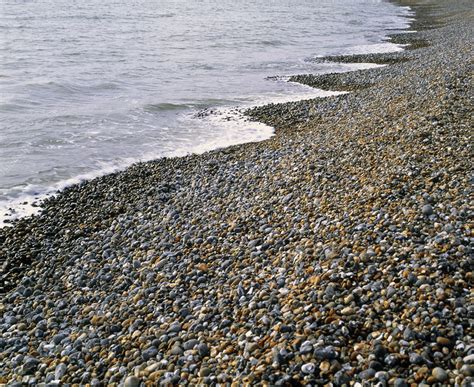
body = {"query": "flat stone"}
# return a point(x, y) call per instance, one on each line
point(60, 371)
point(308, 368)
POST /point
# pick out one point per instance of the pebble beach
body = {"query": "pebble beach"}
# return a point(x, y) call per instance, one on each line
point(338, 252)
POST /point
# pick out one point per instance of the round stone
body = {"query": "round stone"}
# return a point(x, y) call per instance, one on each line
point(132, 381)
point(467, 370)
point(427, 210)
point(439, 374)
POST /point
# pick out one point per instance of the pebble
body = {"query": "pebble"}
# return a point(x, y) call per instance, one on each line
point(367, 374)
point(400, 383)
point(416, 358)
point(443, 341)
point(440, 374)
point(132, 381)
point(467, 370)
point(469, 359)
point(427, 210)
point(60, 371)
point(203, 349)
point(308, 368)
point(205, 371)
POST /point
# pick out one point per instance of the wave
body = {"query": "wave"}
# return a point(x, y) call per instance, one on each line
point(160, 107)
point(271, 43)
point(165, 15)
point(12, 107)
point(69, 87)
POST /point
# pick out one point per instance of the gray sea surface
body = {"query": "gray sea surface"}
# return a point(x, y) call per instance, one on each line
point(89, 87)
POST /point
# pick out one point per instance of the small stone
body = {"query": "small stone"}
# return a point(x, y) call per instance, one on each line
point(467, 370)
point(306, 347)
point(391, 291)
point(190, 344)
point(203, 350)
point(367, 374)
point(175, 328)
point(416, 358)
point(391, 360)
point(30, 366)
point(330, 291)
point(379, 352)
point(176, 350)
point(184, 312)
point(427, 210)
point(445, 342)
point(60, 371)
point(308, 368)
point(132, 381)
point(469, 359)
point(440, 294)
point(327, 353)
point(205, 371)
point(408, 334)
point(22, 327)
point(58, 338)
point(222, 377)
point(325, 366)
point(439, 374)
point(375, 365)
point(149, 353)
point(341, 378)
point(400, 383)
point(286, 328)
point(347, 311)
point(382, 376)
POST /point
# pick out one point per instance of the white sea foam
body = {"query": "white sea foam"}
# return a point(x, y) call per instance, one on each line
point(378, 48)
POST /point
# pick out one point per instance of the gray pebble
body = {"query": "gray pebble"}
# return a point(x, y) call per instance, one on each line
point(440, 374)
point(60, 371)
point(427, 210)
point(132, 381)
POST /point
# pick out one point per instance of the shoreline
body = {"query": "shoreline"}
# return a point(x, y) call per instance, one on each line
point(25, 201)
point(338, 250)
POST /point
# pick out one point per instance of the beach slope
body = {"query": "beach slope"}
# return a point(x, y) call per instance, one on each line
point(339, 250)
